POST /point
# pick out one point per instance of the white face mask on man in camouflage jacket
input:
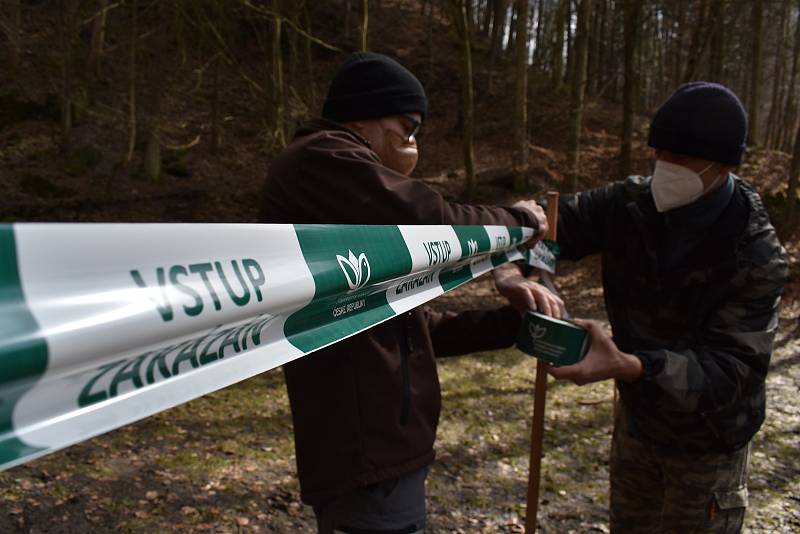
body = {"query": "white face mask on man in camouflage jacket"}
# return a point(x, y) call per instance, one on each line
point(675, 185)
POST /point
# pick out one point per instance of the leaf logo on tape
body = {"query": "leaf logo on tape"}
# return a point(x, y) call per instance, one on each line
point(356, 270)
point(537, 331)
point(473, 246)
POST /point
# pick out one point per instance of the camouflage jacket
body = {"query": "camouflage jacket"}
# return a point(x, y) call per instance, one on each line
point(703, 327)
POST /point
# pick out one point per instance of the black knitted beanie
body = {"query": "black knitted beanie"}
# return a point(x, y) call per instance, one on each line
point(701, 119)
point(370, 86)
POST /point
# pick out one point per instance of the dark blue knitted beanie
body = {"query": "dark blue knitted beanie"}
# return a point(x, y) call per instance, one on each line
point(370, 86)
point(701, 119)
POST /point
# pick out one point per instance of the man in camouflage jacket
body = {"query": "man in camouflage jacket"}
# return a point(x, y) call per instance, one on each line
point(692, 276)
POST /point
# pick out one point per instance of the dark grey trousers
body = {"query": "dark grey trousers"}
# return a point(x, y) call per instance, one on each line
point(391, 507)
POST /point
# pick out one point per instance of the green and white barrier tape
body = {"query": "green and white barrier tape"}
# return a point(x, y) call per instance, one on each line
point(543, 256)
point(105, 324)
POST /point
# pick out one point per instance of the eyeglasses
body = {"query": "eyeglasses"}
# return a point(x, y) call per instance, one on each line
point(415, 126)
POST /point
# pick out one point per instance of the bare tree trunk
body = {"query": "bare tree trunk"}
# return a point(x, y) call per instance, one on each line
point(538, 52)
point(512, 29)
point(364, 24)
point(458, 13)
point(698, 27)
point(470, 18)
point(293, 16)
point(427, 14)
point(520, 99)
point(545, 39)
point(716, 60)
point(778, 78)
point(704, 29)
point(69, 12)
point(558, 49)
point(647, 53)
point(215, 114)
point(639, 62)
point(790, 114)
point(570, 41)
point(278, 94)
point(151, 163)
point(312, 92)
point(600, 76)
point(594, 49)
point(132, 83)
point(157, 74)
point(487, 17)
point(616, 16)
point(791, 190)
point(531, 31)
point(679, 26)
point(663, 55)
point(742, 69)
point(500, 8)
point(500, 12)
point(471, 185)
point(757, 74)
point(578, 90)
point(633, 10)
point(98, 39)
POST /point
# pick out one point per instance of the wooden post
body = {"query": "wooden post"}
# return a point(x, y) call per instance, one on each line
point(539, 398)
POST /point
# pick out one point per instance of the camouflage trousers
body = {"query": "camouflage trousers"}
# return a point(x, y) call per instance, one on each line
point(681, 493)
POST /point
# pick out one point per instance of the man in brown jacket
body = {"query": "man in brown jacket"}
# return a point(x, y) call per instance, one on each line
point(365, 410)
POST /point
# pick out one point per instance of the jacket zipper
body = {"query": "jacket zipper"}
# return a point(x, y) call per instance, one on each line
point(406, 394)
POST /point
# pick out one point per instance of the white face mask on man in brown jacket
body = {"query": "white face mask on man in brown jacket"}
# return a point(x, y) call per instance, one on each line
point(392, 139)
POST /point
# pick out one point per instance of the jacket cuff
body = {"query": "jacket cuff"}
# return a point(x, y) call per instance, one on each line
point(652, 364)
point(526, 218)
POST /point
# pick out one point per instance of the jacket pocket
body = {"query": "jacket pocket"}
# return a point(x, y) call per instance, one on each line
point(731, 499)
point(727, 425)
